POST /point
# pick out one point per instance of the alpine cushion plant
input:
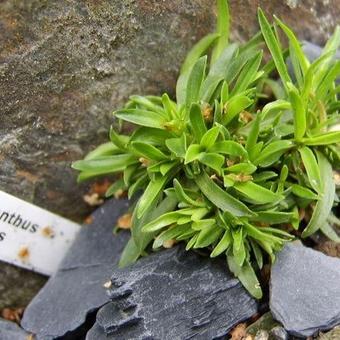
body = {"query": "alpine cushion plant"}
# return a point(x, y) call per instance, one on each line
point(240, 163)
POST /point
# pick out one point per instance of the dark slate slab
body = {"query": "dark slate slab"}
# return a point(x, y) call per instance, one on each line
point(11, 331)
point(76, 290)
point(173, 294)
point(305, 290)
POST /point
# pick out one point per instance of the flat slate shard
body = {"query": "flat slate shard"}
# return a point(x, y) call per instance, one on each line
point(305, 290)
point(11, 331)
point(173, 294)
point(63, 304)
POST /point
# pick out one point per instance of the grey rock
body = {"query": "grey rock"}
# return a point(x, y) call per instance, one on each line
point(305, 290)
point(173, 294)
point(66, 65)
point(278, 333)
point(76, 290)
point(11, 331)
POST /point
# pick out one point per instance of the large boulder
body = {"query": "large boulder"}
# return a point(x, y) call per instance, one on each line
point(65, 65)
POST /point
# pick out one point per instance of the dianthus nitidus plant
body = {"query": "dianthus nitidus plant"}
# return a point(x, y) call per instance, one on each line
point(241, 162)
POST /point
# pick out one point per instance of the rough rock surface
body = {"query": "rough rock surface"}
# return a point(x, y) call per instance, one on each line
point(65, 65)
point(11, 331)
point(305, 290)
point(76, 290)
point(173, 294)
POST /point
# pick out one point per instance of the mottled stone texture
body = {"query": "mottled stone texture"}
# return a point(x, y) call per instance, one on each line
point(173, 294)
point(65, 65)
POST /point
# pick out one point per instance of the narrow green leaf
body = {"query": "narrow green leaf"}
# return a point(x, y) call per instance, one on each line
point(139, 184)
point(168, 166)
point(151, 194)
point(207, 236)
point(128, 172)
point(177, 146)
point(222, 245)
point(223, 23)
point(303, 192)
point(169, 107)
point(191, 242)
point(328, 231)
point(170, 234)
point(208, 94)
point(197, 51)
point(257, 252)
point(238, 246)
point(150, 135)
point(254, 132)
point(212, 160)
point(273, 217)
point(203, 224)
point(184, 197)
point(272, 152)
point(148, 151)
point(106, 149)
point(220, 197)
point(210, 137)
point(274, 47)
point(245, 168)
point(229, 148)
point(264, 176)
point(277, 105)
point(298, 111)
point(105, 164)
point(303, 61)
point(162, 221)
point(148, 105)
point(236, 105)
point(197, 123)
point(248, 74)
point(142, 117)
point(140, 238)
point(323, 139)
point(324, 204)
point(246, 275)
point(219, 67)
point(257, 193)
point(312, 168)
point(130, 254)
point(195, 80)
point(192, 153)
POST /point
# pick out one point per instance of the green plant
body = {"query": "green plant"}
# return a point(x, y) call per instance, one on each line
point(232, 164)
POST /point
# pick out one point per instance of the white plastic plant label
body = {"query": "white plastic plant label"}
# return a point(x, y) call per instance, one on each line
point(32, 237)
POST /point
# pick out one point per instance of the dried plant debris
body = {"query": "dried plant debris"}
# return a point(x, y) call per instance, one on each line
point(240, 163)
